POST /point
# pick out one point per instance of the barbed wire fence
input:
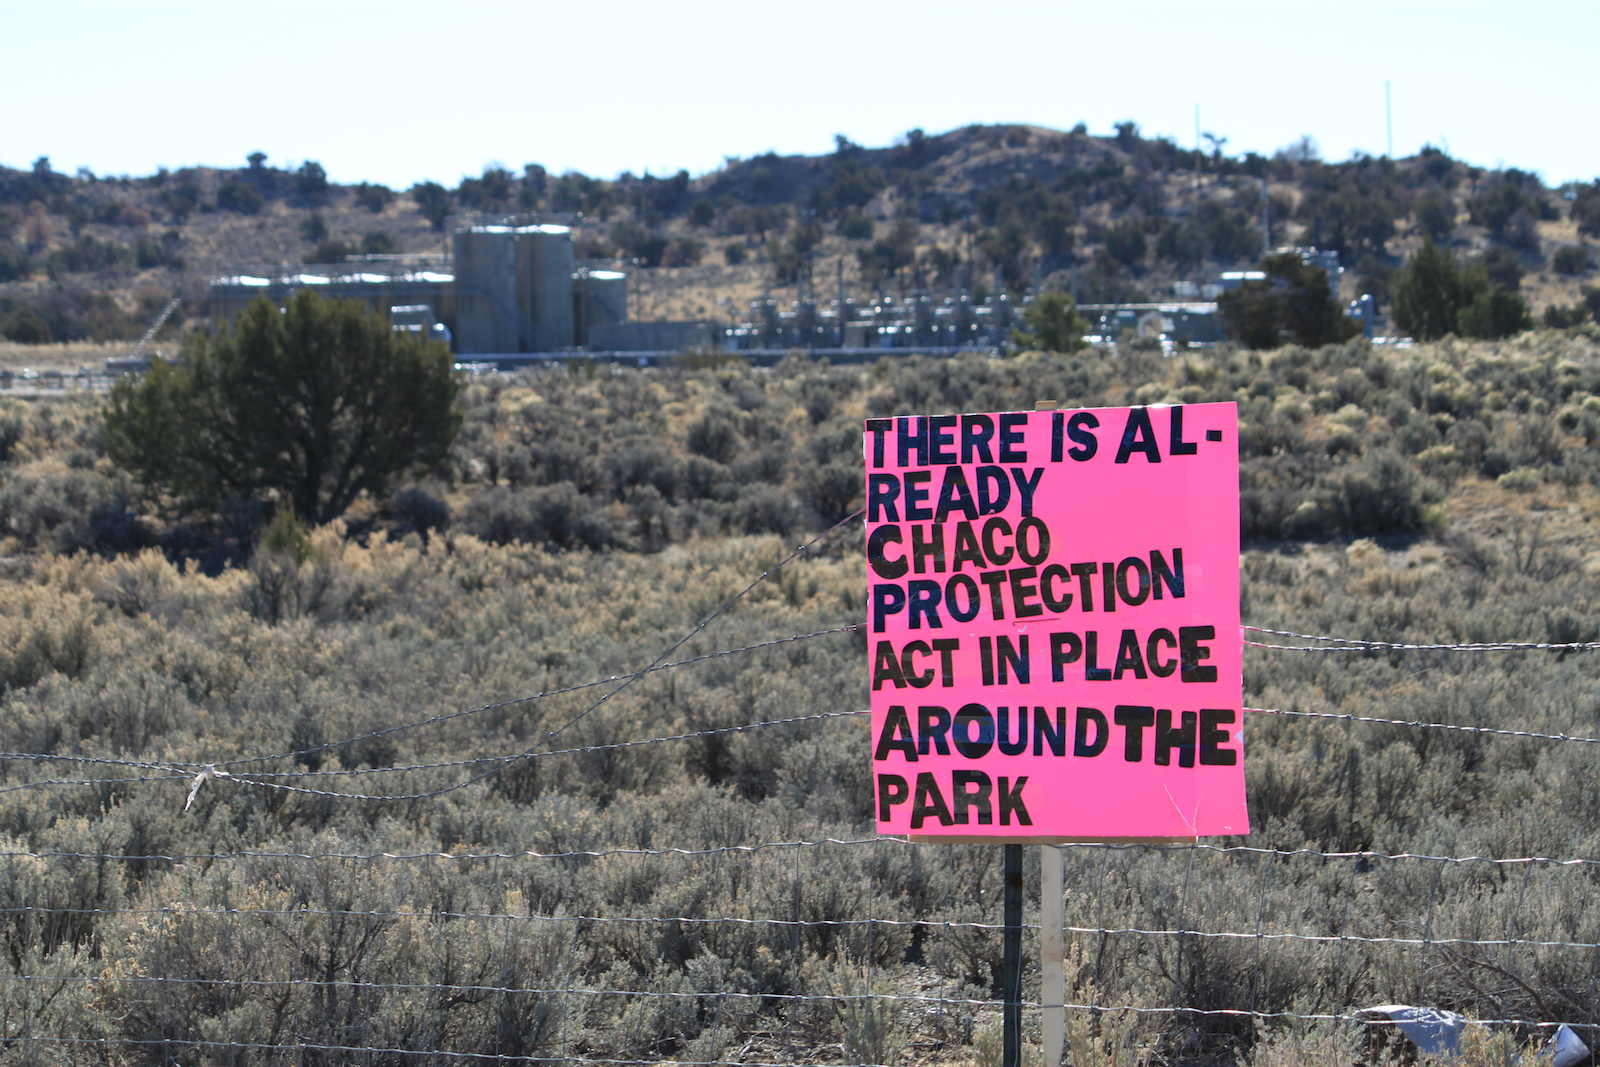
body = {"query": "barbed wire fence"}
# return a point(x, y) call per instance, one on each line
point(237, 954)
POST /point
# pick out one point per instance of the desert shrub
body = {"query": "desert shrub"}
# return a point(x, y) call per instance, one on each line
point(1571, 259)
point(556, 514)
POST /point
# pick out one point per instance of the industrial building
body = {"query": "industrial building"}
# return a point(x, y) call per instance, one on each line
point(505, 289)
point(511, 290)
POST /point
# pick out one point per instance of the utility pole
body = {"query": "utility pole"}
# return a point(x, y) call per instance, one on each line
point(1388, 117)
point(1266, 219)
point(1197, 154)
point(841, 301)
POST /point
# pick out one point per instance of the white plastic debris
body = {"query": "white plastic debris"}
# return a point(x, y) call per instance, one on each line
point(1567, 1048)
point(200, 780)
point(1435, 1032)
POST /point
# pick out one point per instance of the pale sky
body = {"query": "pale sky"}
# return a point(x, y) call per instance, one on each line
point(397, 92)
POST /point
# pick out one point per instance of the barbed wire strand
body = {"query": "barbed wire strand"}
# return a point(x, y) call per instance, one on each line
point(1353, 644)
point(447, 716)
point(258, 776)
point(884, 840)
point(1423, 725)
point(596, 705)
point(180, 912)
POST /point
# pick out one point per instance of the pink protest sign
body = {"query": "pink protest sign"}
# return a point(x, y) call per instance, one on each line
point(1053, 624)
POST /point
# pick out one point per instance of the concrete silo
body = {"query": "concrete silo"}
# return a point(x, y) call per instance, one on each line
point(544, 287)
point(486, 275)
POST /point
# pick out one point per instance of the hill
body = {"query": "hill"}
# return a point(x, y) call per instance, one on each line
point(1109, 218)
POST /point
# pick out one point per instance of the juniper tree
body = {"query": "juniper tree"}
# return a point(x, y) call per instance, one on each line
point(317, 403)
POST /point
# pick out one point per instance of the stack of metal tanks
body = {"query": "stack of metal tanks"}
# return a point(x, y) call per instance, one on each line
point(514, 289)
point(599, 299)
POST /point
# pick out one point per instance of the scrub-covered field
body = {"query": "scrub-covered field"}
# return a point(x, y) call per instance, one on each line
point(586, 521)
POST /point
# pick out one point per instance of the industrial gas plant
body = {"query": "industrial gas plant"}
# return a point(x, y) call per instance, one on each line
point(510, 291)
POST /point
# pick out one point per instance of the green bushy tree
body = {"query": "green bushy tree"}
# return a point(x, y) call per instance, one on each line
point(318, 403)
point(1292, 304)
point(1434, 295)
point(1054, 325)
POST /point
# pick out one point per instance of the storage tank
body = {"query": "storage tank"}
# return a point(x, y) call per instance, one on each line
point(600, 298)
point(544, 287)
point(486, 290)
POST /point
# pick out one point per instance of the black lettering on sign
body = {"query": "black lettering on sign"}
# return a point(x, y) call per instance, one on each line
point(1041, 536)
point(1081, 744)
point(1084, 443)
point(1056, 602)
point(961, 731)
point(976, 431)
point(1133, 720)
point(908, 665)
point(1191, 652)
point(1211, 736)
point(933, 723)
point(1152, 653)
point(929, 801)
point(877, 553)
point(1014, 655)
point(925, 597)
point(967, 549)
point(1011, 802)
point(896, 736)
point(886, 600)
point(969, 589)
point(1002, 716)
point(1181, 738)
point(931, 549)
point(1083, 571)
point(941, 434)
point(892, 790)
point(882, 491)
point(978, 798)
point(1065, 648)
point(1177, 446)
point(917, 499)
point(1138, 436)
point(954, 495)
point(1173, 576)
point(1057, 432)
point(1128, 656)
point(912, 437)
point(994, 580)
point(1011, 425)
point(1108, 587)
point(1125, 589)
point(1026, 487)
point(1092, 671)
point(945, 646)
point(994, 490)
point(877, 428)
point(998, 556)
point(1045, 734)
point(885, 668)
point(1022, 591)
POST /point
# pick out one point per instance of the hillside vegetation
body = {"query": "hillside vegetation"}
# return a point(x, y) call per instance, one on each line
point(587, 519)
point(1109, 218)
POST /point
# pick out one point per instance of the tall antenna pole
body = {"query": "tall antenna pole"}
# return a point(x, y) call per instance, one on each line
point(1197, 154)
point(1388, 117)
